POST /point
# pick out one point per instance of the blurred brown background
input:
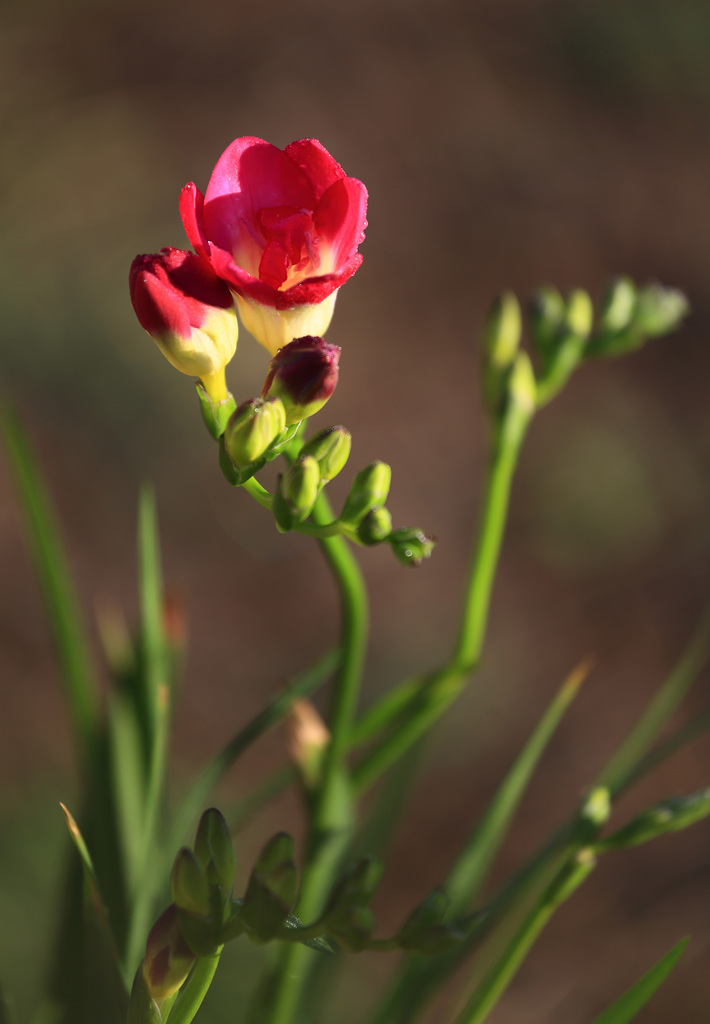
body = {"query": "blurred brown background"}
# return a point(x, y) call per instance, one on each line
point(504, 145)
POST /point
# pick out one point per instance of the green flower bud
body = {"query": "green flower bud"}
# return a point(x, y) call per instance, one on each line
point(253, 426)
point(272, 889)
point(668, 816)
point(660, 310)
point(502, 331)
point(501, 340)
point(189, 886)
point(547, 314)
point(331, 449)
point(214, 851)
point(618, 305)
point(579, 315)
point(411, 546)
point(369, 488)
point(376, 526)
point(347, 914)
point(299, 486)
point(523, 386)
point(424, 920)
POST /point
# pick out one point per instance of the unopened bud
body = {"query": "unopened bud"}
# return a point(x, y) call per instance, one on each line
point(522, 386)
point(502, 330)
point(579, 315)
point(369, 488)
point(659, 309)
point(411, 546)
point(253, 426)
point(299, 486)
point(306, 739)
point(668, 816)
point(272, 889)
point(303, 374)
point(189, 885)
point(168, 958)
point(547, 313)
point(618, 305)
point(214, 850)
point(331, 449)
point(376, 526)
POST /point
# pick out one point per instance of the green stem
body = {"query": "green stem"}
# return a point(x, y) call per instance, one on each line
point(505, 449)
point(331, 814)
point(320, 529)
point(195, 989)
point(411, 710)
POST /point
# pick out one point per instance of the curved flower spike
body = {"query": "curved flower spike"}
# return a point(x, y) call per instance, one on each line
point(282, 228)
point(188, 312)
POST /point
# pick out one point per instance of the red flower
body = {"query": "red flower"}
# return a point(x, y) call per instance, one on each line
point(189, 313)
point(282, 228)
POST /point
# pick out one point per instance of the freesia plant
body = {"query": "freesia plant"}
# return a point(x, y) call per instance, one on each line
point(152, 897)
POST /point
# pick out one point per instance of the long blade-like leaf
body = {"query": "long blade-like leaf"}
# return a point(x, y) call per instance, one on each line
point(420, 976)
point(626, 1008)
point(468, 873)
point(658, 712)
point(57, 587)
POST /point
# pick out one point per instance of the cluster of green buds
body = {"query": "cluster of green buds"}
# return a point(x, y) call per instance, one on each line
point(565, 331)
point(202, 881)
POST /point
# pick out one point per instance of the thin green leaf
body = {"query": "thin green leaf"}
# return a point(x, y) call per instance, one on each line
point(626, 1008)
point(91, 882)
point(154, 697)
point(57, 587)
point(129, 781)
point(420, 976)
point(660, 709)
point(496, 981)
point(215, 771)
point(468, 873)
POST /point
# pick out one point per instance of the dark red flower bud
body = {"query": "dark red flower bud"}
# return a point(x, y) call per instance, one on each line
point(303, 375)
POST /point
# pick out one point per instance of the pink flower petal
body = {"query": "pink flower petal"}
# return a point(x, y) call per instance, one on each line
point(322, 170)
point(340, 219)
point(251, 174)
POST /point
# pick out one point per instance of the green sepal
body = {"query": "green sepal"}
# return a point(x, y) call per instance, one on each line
point(237, 475)
point(214, 414)
point(272, 889)
point(282, 442)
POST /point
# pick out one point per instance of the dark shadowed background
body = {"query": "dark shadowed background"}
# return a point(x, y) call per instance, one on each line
point(504, 145)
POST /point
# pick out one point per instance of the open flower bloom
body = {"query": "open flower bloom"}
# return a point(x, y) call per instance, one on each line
point(189, 313)
point(282, 228)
